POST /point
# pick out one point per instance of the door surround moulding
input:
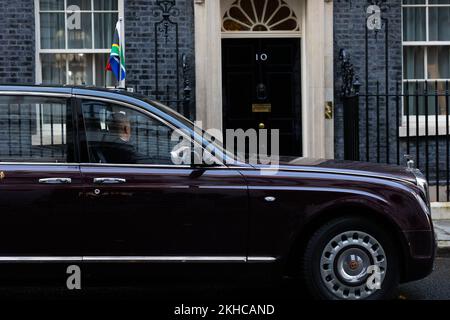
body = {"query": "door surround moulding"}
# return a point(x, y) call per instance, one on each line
point(316, 21)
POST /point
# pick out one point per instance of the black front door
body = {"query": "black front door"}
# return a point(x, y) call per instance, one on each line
point(262, 88)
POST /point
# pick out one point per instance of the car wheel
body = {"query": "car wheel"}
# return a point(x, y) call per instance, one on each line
point(351, 259)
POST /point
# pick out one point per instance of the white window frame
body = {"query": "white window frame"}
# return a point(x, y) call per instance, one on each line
point(442, 119)
point(40, 51)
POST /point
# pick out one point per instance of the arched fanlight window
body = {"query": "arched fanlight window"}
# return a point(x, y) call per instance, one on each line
point(260, 15)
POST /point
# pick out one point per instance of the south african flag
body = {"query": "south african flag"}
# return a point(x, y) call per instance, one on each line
point(116, 62)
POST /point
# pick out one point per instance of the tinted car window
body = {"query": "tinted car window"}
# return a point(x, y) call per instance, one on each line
point(35, 129)
point(120, 135)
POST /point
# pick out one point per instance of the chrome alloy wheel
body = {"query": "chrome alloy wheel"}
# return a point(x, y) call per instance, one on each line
point(345, 261)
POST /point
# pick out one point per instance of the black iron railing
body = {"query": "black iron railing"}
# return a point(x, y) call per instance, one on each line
point(411, 123)
point(173, 88)
point(387, 121)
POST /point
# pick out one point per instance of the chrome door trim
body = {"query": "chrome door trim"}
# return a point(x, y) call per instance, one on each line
point(41, 94)
point(86, 164)
point(124, 165)
point(171, 259)
point(176, 259)
point(261, 259)
point(72, 164)
point(25, 259)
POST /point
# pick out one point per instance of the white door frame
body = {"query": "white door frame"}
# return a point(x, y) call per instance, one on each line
point(316, 18)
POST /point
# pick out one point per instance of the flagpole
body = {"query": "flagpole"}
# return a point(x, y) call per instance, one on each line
point(117, 56)
point(122, 48)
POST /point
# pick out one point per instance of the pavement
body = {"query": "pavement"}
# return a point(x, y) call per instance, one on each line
point(442, 229)
point(435, 287)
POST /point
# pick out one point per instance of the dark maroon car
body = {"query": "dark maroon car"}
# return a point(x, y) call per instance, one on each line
point(88, 177)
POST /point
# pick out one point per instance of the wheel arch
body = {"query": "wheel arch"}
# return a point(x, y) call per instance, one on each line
point(303, 235)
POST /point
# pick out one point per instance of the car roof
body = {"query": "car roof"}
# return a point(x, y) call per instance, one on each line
point(112, 93)
point(64, 89)
point(123, 95)
point(36, 88)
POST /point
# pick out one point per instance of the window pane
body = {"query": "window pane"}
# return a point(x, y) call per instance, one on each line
point(105, 5)
point(436, 98)
point(231, 25)
point(80, 34)
point(414, 23)
point(34, 130)
point(80, 69)
point(82, 4)
point(51, 5)
point(413, 1)
point(439, 62)
point(104, 27)
point(413, 58)
point(425, 100)
point(439, 24)
point(439, 1)
point(415, 104)
point(53, 68)
point(118, 134)
point(52, 31)
point(101, 75)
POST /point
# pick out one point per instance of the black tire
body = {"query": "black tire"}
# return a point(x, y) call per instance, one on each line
point(311, 262)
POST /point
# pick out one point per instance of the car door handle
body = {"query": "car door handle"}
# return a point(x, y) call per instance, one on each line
point(55, 181)
point(109, 180)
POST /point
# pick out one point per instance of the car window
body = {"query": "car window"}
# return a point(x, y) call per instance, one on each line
point(120, 135)
point(35, 129)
